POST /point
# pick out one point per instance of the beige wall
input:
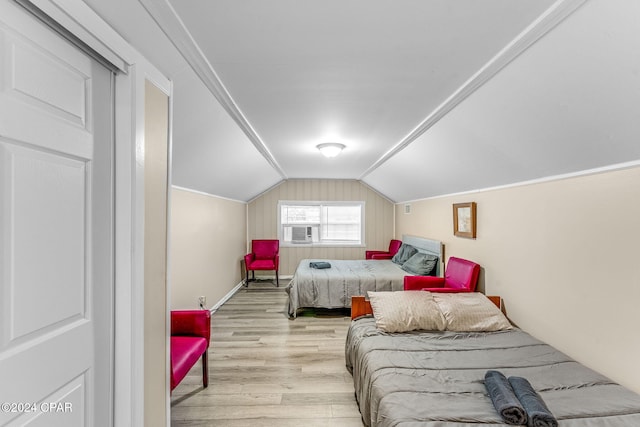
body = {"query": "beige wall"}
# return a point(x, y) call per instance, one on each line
point(563, 255)
point(155, 256)
point(263, 217)
point(208, 240)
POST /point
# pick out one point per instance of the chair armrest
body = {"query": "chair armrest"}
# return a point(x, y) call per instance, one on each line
point(382, 255)
point(276, 261)
point(195, 323)
point(370, 254)
point(416, 283)
point(248, 258)
point(447, 290)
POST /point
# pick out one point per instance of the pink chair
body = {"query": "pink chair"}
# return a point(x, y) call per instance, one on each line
point(190, 334)
point(264, 256)
point(460, 275)
point(394, 245)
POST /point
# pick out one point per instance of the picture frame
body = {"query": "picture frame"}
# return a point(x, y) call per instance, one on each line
point(464, 220)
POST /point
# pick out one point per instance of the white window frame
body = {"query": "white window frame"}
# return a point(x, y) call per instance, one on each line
point(320, 204)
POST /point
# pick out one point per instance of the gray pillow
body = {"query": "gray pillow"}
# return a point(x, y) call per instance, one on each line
point(421, 264)
point(404, 253)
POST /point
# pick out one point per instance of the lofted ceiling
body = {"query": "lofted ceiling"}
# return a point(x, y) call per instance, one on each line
point(430, 97)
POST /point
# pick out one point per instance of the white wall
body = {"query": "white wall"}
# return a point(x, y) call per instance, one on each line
point(208, 240)
point(155, 255)
point(564, 257)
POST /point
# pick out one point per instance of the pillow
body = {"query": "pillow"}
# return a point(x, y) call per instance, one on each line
point(404, 253)
point(470, 312)
point(421, 264)
point(406, 311)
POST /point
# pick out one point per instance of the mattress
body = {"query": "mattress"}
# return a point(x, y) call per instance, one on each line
point(333, 287)
point(434, 379)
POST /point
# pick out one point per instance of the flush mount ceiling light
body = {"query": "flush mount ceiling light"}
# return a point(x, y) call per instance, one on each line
point(330, 149)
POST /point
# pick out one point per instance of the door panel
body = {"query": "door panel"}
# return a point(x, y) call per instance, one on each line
point(45, 226)
point(56, 228)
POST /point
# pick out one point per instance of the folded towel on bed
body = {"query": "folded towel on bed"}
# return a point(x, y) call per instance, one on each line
point(504, 399)
point(537, 412)
point(319, 264)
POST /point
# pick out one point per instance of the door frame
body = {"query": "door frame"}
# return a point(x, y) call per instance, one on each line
point(76, 17)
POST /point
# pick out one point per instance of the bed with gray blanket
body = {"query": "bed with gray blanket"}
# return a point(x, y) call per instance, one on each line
point(435, 379)
point(333, 287)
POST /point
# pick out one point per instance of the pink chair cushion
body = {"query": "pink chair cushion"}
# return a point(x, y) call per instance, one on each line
point(394, 246)
point(262, 264)
point(417, 283)
point(461, 275)
point(264, 255)
point(191, 322)
point(265, 249)
point(185, 352)
point(190, 334)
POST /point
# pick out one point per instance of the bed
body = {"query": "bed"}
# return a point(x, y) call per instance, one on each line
point(333, 287)
point(437, 378)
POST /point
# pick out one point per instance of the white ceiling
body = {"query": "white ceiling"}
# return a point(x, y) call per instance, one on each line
point(425, 94)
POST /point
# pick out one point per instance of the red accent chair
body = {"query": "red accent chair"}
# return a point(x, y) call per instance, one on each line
point(190, 334)
point(394, 246)
point(460, 275)
point(264, 256)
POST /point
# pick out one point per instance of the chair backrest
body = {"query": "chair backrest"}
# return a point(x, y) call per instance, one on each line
point(265, 248)
point(394, 246)
point(461, 274)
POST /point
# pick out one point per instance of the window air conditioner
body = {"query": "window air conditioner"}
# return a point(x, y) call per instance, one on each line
point(300, 234)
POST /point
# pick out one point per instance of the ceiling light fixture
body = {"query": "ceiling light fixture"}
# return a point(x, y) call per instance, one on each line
point(330, 149)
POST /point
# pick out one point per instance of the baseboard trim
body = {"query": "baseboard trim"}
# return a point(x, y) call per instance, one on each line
point(226, 298)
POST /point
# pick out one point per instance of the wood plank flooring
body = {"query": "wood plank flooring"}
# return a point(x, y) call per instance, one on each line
point(267, 370)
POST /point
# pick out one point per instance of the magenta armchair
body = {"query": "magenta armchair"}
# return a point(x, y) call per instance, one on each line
point(460, 275)
point(394, 246)
point(190, 335)
point(264, 256)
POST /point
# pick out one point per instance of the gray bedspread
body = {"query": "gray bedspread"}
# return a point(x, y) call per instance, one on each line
point(435, 379)
point(333, 287)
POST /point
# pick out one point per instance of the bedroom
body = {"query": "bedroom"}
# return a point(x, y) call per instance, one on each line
point(553, 244)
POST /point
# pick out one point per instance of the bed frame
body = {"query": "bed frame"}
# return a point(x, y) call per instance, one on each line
point(360, 306)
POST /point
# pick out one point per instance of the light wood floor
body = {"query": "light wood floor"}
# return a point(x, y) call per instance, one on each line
point(267, 370)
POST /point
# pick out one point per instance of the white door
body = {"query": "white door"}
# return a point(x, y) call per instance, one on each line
point(56, 229)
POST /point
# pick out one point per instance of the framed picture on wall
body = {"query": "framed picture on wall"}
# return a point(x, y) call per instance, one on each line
point(464, 220)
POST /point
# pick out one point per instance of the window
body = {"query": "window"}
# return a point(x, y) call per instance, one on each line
point(321, 223)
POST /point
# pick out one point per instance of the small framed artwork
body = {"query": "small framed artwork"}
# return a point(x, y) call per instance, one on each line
point(464, 220)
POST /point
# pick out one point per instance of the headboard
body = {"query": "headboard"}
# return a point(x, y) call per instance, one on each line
point(361, 306)
point(429, 246)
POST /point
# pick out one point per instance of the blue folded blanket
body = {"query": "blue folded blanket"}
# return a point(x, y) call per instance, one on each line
point(319, 264)
point(537, 412)
point(504, 398)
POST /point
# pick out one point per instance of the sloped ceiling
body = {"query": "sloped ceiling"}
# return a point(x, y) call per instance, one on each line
point(430, 97)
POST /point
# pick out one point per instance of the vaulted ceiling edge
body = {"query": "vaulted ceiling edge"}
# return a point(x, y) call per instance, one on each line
point(558, 12)
point(170, 23)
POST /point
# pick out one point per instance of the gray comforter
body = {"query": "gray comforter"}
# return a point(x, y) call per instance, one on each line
point(333, 287)
point(436, 379)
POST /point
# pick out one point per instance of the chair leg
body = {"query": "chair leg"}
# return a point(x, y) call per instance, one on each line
point(205, 369)
point(277, 280)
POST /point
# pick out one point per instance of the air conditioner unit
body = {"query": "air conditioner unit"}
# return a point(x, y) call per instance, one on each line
point(300, 234)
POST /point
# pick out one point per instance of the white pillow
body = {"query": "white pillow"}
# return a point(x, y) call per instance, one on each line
point(470, 312)
point(404, 311)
